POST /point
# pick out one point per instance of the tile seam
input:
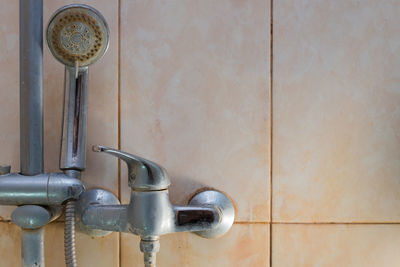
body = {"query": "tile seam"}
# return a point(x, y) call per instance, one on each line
point(339, 223)
point(317, 223)
point(119, 125)
point(119, 97)
point(272, 223)
point(271, 47)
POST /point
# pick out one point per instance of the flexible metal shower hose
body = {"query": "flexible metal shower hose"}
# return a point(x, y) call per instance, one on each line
point(69, 234)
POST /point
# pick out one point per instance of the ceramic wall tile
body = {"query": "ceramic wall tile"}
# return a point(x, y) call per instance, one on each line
point(9, 92)
point(87, 249)
point(335, 245)
point(336, 117)
point(194, 96)
point(99, 251)
point(10, 245)
point(244, 245)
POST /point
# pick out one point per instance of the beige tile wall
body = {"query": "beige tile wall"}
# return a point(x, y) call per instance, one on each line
point(244, 245)
point(336, 111)
point(336, 125)
point(187, 84)
point(194, 98)
point(331, 245)
point(9, 92)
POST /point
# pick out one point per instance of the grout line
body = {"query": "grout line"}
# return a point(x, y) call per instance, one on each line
point(338, 223)
point(317, 223)
point(266, 223)
point(281, 223)
point(271, 50)
point(119, 125)
point(119, 97)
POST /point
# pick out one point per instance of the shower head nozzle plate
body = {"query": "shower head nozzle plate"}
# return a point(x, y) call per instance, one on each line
point(77, 34)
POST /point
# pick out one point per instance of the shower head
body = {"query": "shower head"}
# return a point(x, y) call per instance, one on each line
point(77, 35)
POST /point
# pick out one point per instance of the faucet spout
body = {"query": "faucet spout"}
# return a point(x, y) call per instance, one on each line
point(111, 218)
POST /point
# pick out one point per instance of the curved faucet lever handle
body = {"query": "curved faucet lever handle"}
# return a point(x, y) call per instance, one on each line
point(143, 174)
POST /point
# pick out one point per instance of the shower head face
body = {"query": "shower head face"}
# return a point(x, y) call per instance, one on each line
point(77, 35)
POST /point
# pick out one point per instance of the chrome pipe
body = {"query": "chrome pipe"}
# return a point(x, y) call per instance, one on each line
point(31, 114)
point(32, 248)
point(73, 138)
point(31, 86)
point(5, 169)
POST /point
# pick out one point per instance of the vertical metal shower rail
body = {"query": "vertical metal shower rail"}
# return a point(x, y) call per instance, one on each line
point(31, 86)
point(31, 114)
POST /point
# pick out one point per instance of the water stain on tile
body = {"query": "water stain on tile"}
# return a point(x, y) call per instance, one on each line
point(10, 244)
point(244, 245)
point(335, 245)
point(90, 251)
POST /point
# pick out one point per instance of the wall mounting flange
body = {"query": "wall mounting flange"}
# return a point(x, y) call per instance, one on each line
point(220, 200)
point(93, 197)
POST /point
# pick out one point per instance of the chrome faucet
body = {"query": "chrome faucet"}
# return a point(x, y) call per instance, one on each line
point(150, 213)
